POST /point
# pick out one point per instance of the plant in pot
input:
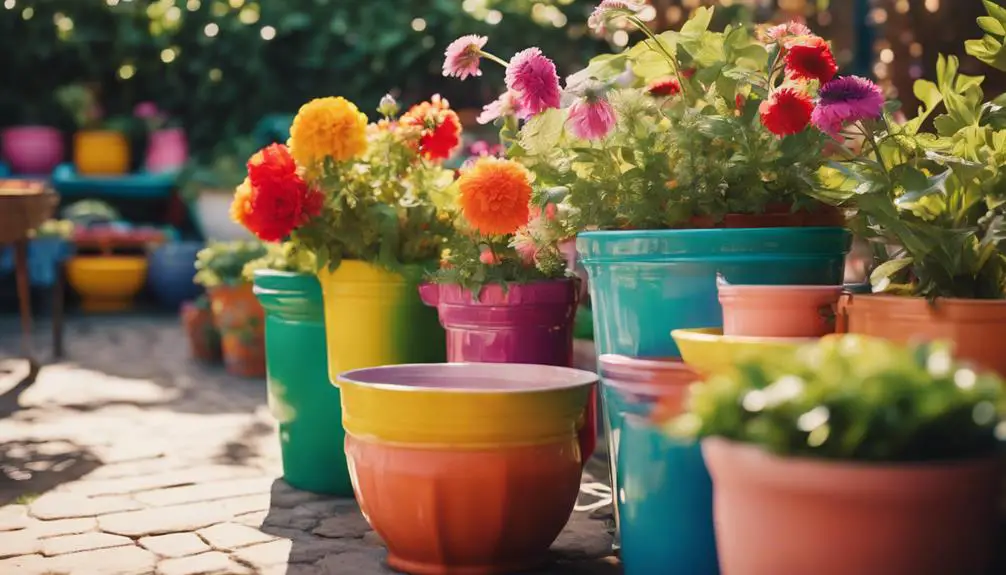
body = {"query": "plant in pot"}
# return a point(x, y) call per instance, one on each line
point(301, 398)
point(931, 202)
point(201, 330)
point(238, 315)
point(370, 202)
point(100, 147)
point(852, 455)
point(207, 186)
point(32, 148)
point(167, 146)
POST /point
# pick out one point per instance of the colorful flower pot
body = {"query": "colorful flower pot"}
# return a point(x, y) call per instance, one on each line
point(526, 323)
point(167, 151)
point(45, 255)
point(172, 269)
point(465, 468)
point(240, 318)
point(213, 216)
point(779, 310)
point(375, 317)
point(101, 153)
point(32, 150)
point(974, 326)
point(645, 283)
point(778, 515)
point(663, 510)
point(204, 339)
point(708, 351)
point(301, 398)
point(107, 283)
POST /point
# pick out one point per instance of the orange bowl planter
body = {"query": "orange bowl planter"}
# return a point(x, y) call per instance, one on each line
point(465, 468)
point(240, 318)
point(779, 310)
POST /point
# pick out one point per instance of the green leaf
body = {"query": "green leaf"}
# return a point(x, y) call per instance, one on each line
point(991, 25)
point(889, 268)
point(542, 132)
point(699, 22)
point(917, 185)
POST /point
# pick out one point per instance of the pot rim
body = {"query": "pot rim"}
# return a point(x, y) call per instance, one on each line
point(746, 232)
point(917, 300)
point(715, 335)
point(754, 288)
point(546, 378)
point(626, 369)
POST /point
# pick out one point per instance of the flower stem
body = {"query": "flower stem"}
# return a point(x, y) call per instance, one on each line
point(494, 58)
point(667, 55)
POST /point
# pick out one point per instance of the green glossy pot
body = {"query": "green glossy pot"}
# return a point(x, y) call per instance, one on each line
point(301, 398)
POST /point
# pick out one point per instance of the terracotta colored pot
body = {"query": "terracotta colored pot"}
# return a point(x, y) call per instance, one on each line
point(204, 339)
point(778, 515)
point(974, 326)
point(469, 468)
point(778, 310)
point(240, 318)
point(101, 153)
point(32, 150)
point(167, 151)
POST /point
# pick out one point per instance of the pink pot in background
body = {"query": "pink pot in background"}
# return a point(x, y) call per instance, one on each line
point(779, 310)
point(167, 151)
point(32, 150)
point(786, 515)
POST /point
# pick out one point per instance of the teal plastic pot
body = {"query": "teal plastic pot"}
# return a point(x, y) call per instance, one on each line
point(301, 398)
point(643, 284)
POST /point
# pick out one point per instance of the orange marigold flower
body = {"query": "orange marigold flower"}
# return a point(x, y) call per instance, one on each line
point(439, 128)
point(328, 127)
point(241, 204)
point(494, 195)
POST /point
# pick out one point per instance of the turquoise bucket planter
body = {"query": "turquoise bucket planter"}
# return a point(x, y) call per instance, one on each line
point(301, 398)
point(645, 283)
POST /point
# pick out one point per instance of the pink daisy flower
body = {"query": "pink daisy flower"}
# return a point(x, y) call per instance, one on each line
point(525, 246)
point(845, 101)
point(533, 78)
point(608, 9)
point(591, 118)
point(462, 57)
point(506, 105)
point(787, 30)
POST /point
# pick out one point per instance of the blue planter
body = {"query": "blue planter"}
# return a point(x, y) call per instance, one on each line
point(170, 273)
point(643, 284)
point(44, 256)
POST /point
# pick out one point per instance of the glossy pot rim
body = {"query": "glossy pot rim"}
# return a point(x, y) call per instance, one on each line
point(629, 371)
point(711, 335)
point(558, 378)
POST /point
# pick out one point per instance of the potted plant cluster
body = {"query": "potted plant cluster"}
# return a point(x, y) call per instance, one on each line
point(201, 330)
point(236, 312)
point(100, 147)
point(852, 455)
point(931, 202)
point(207, 187)
point(301, 398)
point(167, 146)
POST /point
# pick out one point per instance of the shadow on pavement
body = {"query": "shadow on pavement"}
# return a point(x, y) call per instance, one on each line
point(28, 469)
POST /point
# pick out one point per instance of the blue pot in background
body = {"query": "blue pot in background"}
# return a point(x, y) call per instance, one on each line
point(643, 284)
point(171, 270)
point(45, 255)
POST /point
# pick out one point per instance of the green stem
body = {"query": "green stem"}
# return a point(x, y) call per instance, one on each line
point(876, 149)
point(660, 47)
point(494, 58)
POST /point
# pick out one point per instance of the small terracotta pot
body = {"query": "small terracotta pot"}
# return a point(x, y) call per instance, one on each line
point(778, 310)
point(974, 326)
point(101, 153)
point(204, 339)
point(777, 515)
point(240, 318)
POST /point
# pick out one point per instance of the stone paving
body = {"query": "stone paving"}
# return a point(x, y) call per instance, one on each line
point(129, 458)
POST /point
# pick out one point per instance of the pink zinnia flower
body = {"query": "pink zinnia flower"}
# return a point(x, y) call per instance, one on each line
point(607, 10)
point(845, 101)
point(787, 30)
point(146, 110)
point(533, 77)
point(591, 118)
point(506, 105)
point(461, 59)
point(525, 246)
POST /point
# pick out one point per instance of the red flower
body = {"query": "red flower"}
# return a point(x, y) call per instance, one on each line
point(810, 58)
point(687, 73)
point(739, 101)
point(439, 128)
point(277, 200)
point(271, 163)
point(786, 112)
point(664, 87)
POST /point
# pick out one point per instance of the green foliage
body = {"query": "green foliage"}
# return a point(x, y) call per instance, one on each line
point(62, 229)
point(853, 398)
point(226, 170)
point(285, 257)
point(933, 201)
point(989, 48)
point(222, 263)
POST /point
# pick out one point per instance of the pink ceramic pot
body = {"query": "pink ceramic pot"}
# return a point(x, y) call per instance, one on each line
point(778, 515)
point(32, 150)
point(167, 151)
point(779, 310)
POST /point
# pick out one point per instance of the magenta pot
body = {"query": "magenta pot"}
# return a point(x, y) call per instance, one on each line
point(167, 151)
point(524, 323)
point(32, 150)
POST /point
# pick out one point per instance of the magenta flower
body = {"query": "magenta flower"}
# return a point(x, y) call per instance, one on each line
point(608, 9)
point(591, 118)
point(532, 77)
point(146, 110)
point(462, 57)
point(845, 101)
point(506, 105)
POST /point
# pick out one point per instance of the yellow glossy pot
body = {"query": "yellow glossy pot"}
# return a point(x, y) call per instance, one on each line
point(375, 317)
point(708, 351)
point(101, 153)
point(107, 283)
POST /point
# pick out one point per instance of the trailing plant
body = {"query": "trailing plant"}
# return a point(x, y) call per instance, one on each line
point(285, 257)
point(853, 398)
point(223, 263)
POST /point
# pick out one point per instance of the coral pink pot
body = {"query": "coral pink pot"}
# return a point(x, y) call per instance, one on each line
point(167, 151)
point(782, 516)
point(32, 150)
point(779, 310)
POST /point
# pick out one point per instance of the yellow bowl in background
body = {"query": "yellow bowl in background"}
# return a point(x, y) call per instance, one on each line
point(107, 283)
point(708, 351)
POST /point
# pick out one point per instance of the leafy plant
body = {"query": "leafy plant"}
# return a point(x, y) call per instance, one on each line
point(852, 398)
point(285, 257)
point(222, 263)
point(989, 48)
point(62, 229)
point(223, 169)
point(82, 104)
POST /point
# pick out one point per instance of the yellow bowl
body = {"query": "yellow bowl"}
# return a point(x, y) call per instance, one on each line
point(708, 351)
point(107, 283)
